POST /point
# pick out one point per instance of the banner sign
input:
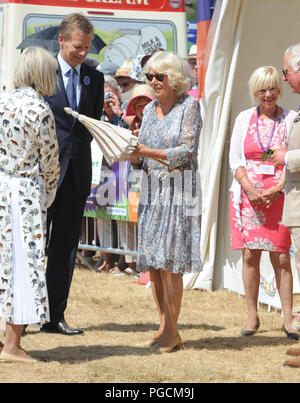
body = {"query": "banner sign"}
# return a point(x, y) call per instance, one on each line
point(191, 32)
point(115, 190)
point(146, 5)
point(125, 39)
point(204, 15)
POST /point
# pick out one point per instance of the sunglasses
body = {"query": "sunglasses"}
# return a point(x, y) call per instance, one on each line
point(158, 77)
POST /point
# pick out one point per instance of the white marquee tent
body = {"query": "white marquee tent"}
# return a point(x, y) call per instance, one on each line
point(244, 35)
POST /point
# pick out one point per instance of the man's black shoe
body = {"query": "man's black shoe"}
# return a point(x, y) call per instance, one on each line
point(62, 327)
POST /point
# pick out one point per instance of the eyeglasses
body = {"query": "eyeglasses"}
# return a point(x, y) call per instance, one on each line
point(285, 72)
point(159, 76)
point(272, 90)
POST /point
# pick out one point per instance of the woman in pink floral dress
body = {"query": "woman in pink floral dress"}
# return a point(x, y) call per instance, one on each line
point(257, 198)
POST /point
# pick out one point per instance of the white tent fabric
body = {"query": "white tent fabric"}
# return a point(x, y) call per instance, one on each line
point(215, 108)
point(244, 34)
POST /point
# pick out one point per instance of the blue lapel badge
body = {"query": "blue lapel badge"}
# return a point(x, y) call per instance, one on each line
point(86, 80)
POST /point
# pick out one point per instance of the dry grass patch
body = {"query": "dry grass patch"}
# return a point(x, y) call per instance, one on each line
point(117, 313)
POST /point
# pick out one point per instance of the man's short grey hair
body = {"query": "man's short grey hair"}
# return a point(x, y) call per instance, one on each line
point(294, 59)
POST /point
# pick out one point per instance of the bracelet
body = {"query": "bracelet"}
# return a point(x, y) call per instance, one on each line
point(279, 188)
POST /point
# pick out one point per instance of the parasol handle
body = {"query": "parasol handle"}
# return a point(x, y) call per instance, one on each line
point(71, 112)
point(161, 162)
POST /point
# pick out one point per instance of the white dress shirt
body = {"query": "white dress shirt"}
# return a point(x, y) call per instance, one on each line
point(65, 67)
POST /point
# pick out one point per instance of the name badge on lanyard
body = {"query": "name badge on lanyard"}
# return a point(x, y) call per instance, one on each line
point(265, 169)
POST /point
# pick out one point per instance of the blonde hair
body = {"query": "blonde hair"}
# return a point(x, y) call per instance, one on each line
point(262, 78)
point(75, 21)
point(37, 69)
point(173, 66)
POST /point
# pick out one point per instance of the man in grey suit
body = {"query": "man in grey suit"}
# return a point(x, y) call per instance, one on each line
point(291, 159)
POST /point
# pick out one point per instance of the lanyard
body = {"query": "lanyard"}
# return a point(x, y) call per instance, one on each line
point(272, 132)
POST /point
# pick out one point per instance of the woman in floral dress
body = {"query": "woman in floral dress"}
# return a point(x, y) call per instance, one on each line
point(169, 212)
point(29, 171)
point(257, 198)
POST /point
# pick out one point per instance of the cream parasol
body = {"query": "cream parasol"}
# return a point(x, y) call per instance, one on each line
point(116, 143)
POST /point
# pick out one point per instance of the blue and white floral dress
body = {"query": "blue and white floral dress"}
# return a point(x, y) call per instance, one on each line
point(29, 170)
point(169, 218)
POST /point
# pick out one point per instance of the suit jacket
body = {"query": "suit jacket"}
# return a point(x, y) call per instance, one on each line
point(74, 140)
point(291, 210)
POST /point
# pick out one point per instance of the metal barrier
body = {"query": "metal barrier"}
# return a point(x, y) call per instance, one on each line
point(109, 236)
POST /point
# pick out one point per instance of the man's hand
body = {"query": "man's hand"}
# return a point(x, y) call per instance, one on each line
point(278, 156)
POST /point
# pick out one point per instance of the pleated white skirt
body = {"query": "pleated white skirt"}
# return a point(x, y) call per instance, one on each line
point(26, 307)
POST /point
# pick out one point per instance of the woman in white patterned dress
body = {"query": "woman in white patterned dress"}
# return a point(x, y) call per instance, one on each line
point(169, 203)
point(29, 170)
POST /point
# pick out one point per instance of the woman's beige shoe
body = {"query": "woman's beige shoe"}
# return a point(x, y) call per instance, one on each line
point(6, 357)
point(168, 349)
point(292, 362)
point(295, 351)
point(147, 344)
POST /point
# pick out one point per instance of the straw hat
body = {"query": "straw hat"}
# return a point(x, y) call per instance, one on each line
point(192, 52)
point(139, 91)
point(124, 70)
